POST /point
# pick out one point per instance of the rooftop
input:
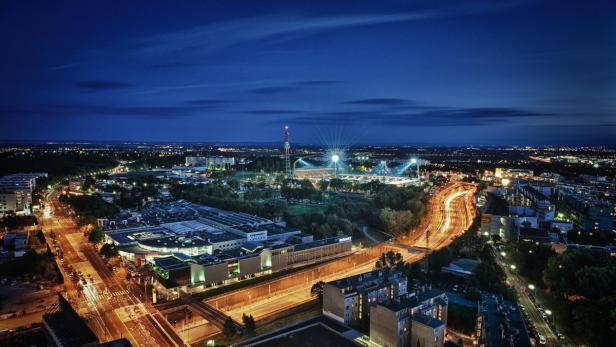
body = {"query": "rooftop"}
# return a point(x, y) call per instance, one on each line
point(322, 242)
point(427, 320)
point(367, 277)
point(67, 326)
point(502, 318)
point(496, 206)
point(319, 331)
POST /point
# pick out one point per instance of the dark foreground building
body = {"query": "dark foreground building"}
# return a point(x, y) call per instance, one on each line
point(64, 327)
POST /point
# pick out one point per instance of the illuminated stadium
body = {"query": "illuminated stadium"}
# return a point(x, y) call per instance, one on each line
point(334, 166)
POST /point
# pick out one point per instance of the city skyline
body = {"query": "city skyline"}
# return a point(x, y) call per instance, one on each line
point(452, 73)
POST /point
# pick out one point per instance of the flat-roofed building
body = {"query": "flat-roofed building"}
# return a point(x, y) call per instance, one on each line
point(199, 272)
point(348, 300)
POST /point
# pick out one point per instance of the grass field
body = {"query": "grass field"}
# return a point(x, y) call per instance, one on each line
point(295, 210)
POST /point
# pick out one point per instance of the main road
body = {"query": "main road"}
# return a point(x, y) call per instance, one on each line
point(534, 315)
point(450, 213)
point(111, 309)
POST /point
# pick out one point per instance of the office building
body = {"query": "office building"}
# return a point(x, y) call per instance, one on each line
point(16, 192)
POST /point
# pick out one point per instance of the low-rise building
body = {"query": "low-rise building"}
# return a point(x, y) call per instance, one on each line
point(179, 272)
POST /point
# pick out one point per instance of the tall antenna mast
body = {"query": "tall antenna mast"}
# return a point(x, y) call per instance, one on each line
point(287, 156)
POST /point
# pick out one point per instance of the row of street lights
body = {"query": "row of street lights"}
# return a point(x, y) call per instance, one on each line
point(530, 285)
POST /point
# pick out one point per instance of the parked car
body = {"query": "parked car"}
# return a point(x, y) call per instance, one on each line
point(542, 339)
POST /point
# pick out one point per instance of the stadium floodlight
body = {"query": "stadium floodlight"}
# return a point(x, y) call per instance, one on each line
point(335, 158)
point(413, 160)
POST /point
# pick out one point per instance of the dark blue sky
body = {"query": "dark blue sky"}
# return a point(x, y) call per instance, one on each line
point(417, 72)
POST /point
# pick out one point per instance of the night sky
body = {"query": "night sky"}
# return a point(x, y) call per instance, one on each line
point(357, 72)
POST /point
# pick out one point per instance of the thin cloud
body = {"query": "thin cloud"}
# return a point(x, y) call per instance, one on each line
point(379, 101)
point(101, 85)
point(280, 28)
point(273, 90)
point(63, 67)
point(441, 117)
point(273, 112)
point(319, 82)
point(293, 86)
point(82, 110)
point(206, 102)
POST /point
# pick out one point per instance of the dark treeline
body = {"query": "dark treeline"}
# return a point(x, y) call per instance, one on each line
point(266, 164)
point(166, 161)
point(303, 190)
point(141, 189)
point(581, 284)
point(224, 197)
point(584, 283)
point(57, 165)
point(41, 266)
point(89, 207)
point(393, 210)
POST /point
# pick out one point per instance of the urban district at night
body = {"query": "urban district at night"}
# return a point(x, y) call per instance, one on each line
point(395, 173)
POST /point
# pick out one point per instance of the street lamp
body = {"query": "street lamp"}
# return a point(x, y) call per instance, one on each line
point(512, 267)
point(414, 161)
point(294, 163)
point(503, 254)
point(335, 159)
point(531, 286)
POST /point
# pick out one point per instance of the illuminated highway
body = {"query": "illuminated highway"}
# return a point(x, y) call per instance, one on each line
point(450, 213)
